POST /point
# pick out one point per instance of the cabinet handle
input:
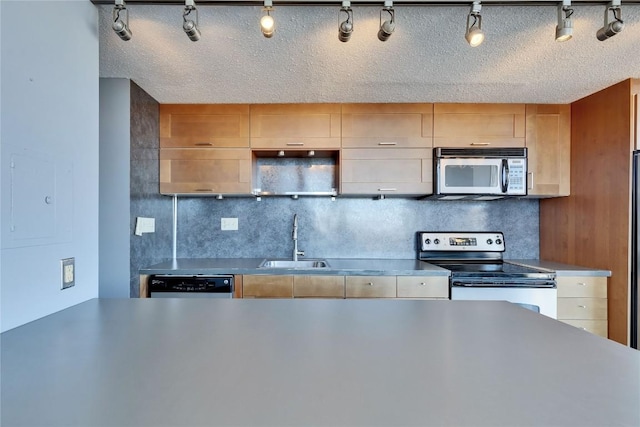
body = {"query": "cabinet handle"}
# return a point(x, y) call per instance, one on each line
point(295, 143)
point(582, 284)
point(370, 283)
point(582, 306)
point(204, 189)
point(203, 144)
point(387, 189)
point(530, 180)
point(422, 284)
point(480, 143)
point(387, 143)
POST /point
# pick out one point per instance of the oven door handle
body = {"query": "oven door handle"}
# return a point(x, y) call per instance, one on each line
point(504, 175)
point(490, 282)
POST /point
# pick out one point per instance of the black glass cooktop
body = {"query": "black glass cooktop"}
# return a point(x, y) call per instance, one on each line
point(458, 268)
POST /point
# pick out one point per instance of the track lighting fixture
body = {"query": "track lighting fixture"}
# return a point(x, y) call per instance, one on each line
point(612, 28)
point(267, 24)
point(474, 33)
point(346, 27)
point(119, 26)
point(189, 26)
point(387, 27)
point(564, 29)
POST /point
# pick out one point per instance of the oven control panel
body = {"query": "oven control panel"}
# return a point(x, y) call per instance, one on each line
point(458, 242)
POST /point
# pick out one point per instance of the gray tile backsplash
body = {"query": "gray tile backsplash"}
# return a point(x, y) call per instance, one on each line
point(346, 227)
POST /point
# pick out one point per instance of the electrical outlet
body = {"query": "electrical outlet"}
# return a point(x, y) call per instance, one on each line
point(229, 224)
point(68, 272)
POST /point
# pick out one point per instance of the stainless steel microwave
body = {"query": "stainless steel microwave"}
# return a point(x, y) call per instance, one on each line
point(460, 172)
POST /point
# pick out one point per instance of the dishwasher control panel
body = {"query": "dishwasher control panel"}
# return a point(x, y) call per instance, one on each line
point(203, 284)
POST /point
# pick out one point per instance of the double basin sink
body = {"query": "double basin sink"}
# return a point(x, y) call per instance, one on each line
point(304, 263)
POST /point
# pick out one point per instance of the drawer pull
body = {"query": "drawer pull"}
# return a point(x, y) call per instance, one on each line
point(203, 144)
point(584, 329)
point(422, 284)
point(387, 189)
point(298, 144)
point(582, 306)
point(204, 189)
point(480, 143)
point(582, 284)
point(387, 143)
point(370, 283)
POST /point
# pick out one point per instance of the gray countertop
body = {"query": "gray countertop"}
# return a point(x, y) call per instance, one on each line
point(342, 266)
point(212, 362)
point(351, 266)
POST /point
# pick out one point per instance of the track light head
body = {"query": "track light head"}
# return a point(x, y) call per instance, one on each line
point(189, 26)
point(121, 27)
point(387, 27)
point(474, 33)
point(564, 29)
point(345, 29)
point(611, 28)
point(267, 23)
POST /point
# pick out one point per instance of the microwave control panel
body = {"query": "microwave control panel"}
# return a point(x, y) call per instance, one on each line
point(517, 176)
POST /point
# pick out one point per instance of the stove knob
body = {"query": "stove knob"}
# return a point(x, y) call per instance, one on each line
point(427, 241)
point(436, 241)
point(498, 242)
point(489, 241)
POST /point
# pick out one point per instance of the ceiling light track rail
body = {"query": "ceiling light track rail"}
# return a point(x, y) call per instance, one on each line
point(464, 3)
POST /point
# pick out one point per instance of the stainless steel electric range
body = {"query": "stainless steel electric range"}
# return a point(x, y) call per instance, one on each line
point(479, 272)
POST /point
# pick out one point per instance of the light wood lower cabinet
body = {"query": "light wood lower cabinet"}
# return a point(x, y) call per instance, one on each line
point(423, 287)
point(267, 286)
point(370, 286)
point(329, 286)
point(582, 302)
point(318, 286)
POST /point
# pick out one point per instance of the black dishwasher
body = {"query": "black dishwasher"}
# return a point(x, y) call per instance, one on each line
point(185, 286)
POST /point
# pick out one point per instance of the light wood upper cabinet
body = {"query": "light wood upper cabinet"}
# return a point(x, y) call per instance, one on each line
point(295, 126)
point(478, 125)
point(387, 125)
point(204, 125)
point(392, 171)
point(205, 171)
point(549, 149)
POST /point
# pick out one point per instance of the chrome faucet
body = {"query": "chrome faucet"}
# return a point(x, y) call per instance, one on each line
point(296, 252)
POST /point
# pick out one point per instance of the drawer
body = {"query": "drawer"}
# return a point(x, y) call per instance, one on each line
point(582, 308)
point(423, 287)
point(597, 327)
point(267, 286)
point(370, 286)
point(318, 286)
point(587, 287)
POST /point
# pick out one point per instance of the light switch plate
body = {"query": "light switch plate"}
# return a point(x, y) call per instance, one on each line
point(68, 272)
point(229, 224)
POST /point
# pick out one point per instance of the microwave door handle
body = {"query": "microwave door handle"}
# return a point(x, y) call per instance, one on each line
point(505, 175)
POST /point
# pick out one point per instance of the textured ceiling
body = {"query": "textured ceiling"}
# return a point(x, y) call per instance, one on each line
point(426, 60)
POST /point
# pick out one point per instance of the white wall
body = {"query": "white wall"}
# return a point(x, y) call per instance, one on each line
point(49, 107)
point(115, 149)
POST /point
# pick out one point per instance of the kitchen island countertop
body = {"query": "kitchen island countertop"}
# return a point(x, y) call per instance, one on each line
point(218, 362)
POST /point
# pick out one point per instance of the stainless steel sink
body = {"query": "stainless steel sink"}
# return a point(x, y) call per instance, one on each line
point(303, 263)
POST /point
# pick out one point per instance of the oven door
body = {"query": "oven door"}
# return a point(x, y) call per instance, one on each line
point(481, 176)
point(541, 300)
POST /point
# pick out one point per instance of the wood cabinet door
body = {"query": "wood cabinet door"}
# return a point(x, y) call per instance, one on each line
point(387, 125)
point(435, 287)
point(267, 286)
point(318, 286)
point(397, 171)
point(478, 125)
point(200, 125)
point(295, 126)
point(370, 286)
point(205, 171)
point(548, 141)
